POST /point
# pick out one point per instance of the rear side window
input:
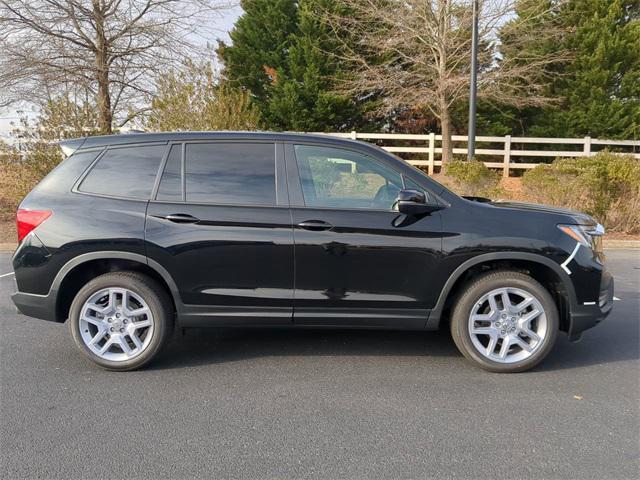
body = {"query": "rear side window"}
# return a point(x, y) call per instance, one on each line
point(231, 173)
point(128, 172)
point(62, 178)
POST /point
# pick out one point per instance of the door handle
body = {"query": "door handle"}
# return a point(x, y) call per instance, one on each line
point(315, 225)
point(180, 218)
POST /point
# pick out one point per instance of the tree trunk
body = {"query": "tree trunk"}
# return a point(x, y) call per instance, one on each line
point(105, 116)
point(103, 98)
point(447, 145)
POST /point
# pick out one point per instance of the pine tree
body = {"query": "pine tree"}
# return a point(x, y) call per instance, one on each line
point(598, 89)
point(260, 41)
point(302, 98)
point(603, 85)
point(281, 52)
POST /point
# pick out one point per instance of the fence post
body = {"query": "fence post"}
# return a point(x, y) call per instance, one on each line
point(587, 146)
point(432, 152)
point(507, 155)
point(354, 136)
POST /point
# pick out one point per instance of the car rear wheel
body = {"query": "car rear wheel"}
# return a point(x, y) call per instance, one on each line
point(121, 320)
point(505, 322)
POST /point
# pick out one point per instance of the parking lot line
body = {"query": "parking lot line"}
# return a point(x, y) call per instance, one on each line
point(6, 274)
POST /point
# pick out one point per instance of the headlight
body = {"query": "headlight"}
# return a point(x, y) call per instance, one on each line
point(589, 236)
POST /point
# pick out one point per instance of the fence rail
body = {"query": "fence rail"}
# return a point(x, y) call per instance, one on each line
point(510, 155)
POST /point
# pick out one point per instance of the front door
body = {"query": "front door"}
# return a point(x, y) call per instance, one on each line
point(220, 224)
point(358, 261)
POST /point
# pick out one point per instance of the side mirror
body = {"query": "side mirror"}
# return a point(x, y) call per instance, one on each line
point(414, 202)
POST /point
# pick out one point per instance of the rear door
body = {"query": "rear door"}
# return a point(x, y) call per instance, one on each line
point(220, 224)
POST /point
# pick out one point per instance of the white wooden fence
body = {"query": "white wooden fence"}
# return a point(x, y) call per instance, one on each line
point(506, 153)
point(512, 155)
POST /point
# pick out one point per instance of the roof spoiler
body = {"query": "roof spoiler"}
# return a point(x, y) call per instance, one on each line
point(70, 146)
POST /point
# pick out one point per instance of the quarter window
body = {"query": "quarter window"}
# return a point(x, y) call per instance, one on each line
point(170, 189)
point(231, 173)
point(411, 185)
point(128, 172)
point(337, 178)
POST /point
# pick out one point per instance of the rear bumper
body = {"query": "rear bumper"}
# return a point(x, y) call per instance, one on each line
point(589, 315)
point(37, 306)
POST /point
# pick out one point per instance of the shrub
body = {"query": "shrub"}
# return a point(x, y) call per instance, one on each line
point(471, 178)
point(35, 151)
point(17, 178)
point(606, 186)
point(193, 99)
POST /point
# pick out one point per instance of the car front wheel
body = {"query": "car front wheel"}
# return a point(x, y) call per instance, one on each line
point(121, 320)
point(505, 322)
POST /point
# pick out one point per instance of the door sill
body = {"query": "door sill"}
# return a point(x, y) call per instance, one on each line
point(413, 319)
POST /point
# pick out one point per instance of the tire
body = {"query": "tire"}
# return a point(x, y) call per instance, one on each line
point(510, 330)
point(145, 319)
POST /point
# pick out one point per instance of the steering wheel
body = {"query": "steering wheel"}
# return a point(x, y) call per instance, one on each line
point(386, 194)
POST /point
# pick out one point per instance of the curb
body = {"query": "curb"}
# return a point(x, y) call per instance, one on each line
point(613, 244)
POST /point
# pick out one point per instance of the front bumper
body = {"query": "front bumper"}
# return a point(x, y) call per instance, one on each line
point(589, 315)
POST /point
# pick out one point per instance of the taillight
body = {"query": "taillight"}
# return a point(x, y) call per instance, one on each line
point(27, 220)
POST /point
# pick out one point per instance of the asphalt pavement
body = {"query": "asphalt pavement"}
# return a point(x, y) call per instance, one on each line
point(321, 404)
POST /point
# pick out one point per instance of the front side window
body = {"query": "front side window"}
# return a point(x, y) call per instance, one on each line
point(231, 173)
point(337, 178)
point(128, 172)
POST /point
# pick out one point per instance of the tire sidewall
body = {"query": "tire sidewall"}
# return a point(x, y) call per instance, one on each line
point(142, 287)
point(460, 319)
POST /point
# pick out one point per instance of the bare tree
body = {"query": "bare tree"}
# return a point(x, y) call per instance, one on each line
point(113, 48)
point(193, 99)
point(416, 54)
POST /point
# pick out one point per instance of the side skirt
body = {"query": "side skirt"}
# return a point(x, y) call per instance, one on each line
point(390, 319)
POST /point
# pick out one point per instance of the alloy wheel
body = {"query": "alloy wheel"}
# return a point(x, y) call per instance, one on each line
point(116, 324)
point(508, 325)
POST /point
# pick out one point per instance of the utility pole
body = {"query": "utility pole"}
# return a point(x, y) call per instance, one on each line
point(471, 139)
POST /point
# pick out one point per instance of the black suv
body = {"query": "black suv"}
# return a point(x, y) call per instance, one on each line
point(133, 235)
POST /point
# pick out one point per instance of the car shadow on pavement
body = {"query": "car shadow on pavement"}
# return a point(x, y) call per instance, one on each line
point(207, 346)
point(195, 347)
point(598, 346)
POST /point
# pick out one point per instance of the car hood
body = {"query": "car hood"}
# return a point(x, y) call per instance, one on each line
point(579, 217)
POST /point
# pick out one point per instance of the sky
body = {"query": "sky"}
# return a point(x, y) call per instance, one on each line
point(220, 30)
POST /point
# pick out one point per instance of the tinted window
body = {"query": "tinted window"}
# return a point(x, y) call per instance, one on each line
point(125, 172)
point(231, 173)
point(67, 173)
point(332, 177)
point(411, 185)
point(170, 188)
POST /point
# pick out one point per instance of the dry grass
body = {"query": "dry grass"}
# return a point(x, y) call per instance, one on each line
point(624, 214)
point(8, 231)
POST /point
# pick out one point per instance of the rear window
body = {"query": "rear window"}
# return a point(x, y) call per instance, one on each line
point(231, 173)
point(128, 172)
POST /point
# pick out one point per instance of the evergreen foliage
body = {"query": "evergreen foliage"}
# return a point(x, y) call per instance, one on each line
point(283, 54)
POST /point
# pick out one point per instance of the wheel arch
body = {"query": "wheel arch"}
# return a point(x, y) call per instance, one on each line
point(542, 269)
point(77, 271)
